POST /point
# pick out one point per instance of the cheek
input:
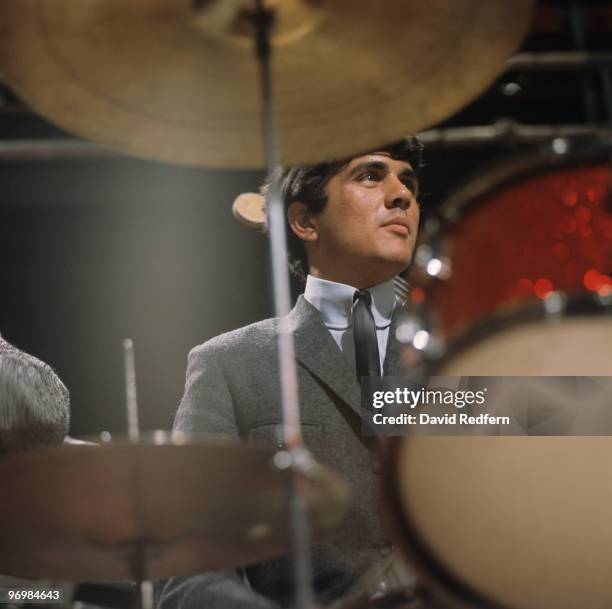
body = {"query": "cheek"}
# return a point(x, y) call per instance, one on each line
point(350, 231)
point(350, 221)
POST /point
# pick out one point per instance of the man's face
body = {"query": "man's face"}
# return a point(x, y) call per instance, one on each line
point(369, 224)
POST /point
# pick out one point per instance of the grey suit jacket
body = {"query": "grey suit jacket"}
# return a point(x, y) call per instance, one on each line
point(232, 390)
point(34, 403)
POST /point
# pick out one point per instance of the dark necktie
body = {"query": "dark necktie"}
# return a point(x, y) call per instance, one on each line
point(367, 360)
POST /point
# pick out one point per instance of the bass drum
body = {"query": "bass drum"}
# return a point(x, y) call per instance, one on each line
point(505, 522)
point(515, 522)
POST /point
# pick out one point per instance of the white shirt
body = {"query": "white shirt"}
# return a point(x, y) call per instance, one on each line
point(335, 303)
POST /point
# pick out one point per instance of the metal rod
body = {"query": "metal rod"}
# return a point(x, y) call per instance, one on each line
point(606, 85)
point(53, 148)
point(130, 390)
point(505, 131)
point(562, 60)
point(278, 247)
point(43, 150)
point(577, 30)
point(300, 530)
point(143, 593)
point(147, 596)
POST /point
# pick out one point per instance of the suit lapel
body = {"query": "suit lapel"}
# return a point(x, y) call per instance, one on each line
point(318, 352)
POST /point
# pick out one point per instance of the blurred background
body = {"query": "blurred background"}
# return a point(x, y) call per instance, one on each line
point(97, 246)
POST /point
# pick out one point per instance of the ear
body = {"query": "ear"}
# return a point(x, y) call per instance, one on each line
point(300, 222)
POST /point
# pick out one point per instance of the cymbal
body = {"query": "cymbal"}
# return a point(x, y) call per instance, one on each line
point(177, 80)
point(144, 511)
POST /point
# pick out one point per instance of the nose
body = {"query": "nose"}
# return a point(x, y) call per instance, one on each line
point(398, 194)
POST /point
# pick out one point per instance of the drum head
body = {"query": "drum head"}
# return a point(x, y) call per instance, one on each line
point(514, 522)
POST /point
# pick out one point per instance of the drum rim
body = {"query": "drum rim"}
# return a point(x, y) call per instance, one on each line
point(438, 580)
point(581, 151)
point(580, 305)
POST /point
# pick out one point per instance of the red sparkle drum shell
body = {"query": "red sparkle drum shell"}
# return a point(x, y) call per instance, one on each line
point(513, 235)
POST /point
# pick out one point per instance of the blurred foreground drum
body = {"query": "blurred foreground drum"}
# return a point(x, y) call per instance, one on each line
point(505, 522)
point(515, 251)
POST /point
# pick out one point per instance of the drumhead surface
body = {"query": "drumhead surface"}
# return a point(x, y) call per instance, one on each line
point(523, 522)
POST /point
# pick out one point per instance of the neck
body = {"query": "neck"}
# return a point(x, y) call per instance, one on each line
point(361, 280)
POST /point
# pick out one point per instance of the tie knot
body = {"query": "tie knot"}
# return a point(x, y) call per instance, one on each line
point(363, 295)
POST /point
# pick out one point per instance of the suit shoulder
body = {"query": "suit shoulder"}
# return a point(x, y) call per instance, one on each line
point(254, 337)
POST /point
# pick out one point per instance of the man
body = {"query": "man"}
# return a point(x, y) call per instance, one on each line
point(357, 220)
point(34, 403)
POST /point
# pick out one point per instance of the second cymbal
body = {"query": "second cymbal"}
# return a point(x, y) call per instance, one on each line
point(125, 511)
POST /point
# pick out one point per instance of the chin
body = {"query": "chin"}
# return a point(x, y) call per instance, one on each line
point(399, 259)
point(394, 266)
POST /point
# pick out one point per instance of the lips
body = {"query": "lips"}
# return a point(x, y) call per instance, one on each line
point(401, 226)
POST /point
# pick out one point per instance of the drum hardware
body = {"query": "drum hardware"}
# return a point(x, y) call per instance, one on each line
point(507, 131)
point(78, 512)
point(421, 338)
point(184, 105)
point(559, 60)
point(430, 259)
point(145, 596)
point(402, 289)
point(131, 402)
point(503, 132)
point(53, 148)
point(390, 582)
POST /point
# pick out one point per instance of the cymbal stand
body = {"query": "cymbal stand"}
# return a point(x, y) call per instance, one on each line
point(144, 598)
point(131, 402)
point(263, 20)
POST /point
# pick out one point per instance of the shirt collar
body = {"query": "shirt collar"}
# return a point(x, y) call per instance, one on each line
point(335, 302)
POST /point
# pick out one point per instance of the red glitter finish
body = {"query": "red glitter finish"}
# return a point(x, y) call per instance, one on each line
point(551, 231)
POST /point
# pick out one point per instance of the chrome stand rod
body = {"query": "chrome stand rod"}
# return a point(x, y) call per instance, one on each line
point(300, 533)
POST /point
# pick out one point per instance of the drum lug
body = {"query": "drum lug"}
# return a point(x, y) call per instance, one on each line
point(555, 304)
point(560, 146)
point(422, 343)
point(430, 261)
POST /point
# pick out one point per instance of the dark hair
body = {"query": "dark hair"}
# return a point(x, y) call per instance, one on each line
point(34, 403)
point(306, 183)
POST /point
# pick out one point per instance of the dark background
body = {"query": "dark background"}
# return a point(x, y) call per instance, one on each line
point(96, 249)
